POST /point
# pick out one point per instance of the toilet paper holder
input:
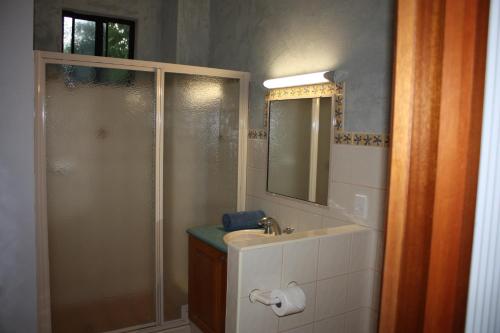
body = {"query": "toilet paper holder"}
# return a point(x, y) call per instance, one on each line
point(264, 296)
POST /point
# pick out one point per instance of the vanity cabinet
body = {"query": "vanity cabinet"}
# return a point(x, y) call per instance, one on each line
point(207, 286)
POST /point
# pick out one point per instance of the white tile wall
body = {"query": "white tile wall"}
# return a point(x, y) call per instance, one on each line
point(360, 165)
point(331, 297)
point(297, 264)
point(356, 170)
point(338, 298)
point(363, 251)
point(362, 320)
point(359, 289)
point(301, 319)
point(233, 282)
point(334, 256)
point(261, 269)
point(256, 317)
point(303, 329)
point(334, 324)
point(353, 262)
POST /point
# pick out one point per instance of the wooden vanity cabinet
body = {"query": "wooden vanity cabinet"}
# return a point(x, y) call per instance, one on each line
point(207, 286)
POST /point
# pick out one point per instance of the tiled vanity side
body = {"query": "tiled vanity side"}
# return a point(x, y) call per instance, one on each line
point(335, 267)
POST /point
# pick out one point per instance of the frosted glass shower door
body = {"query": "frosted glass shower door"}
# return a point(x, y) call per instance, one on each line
point(200, 170)
point(100, 174)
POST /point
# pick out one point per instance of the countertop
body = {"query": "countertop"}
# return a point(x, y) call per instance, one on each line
point(210, 234)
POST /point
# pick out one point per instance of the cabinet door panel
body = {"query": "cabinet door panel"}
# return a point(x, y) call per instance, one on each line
point(207, 286)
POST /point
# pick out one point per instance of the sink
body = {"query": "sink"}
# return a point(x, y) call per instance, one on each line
point(245, 235)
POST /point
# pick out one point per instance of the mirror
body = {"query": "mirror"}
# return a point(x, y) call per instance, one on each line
point(300, 132)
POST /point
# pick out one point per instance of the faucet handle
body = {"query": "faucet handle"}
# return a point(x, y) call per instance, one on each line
point(289, 230)
point(267, 223)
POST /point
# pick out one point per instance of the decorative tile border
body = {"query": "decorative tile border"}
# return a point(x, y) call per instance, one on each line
point(362, 139)
point(260, 134)
point(336, 90)
point(354, 138)
point(310, 91)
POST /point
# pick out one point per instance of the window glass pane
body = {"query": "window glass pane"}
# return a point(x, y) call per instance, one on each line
point(68, 26)
point(104, 44)
point(118, 40)
point(84, 37)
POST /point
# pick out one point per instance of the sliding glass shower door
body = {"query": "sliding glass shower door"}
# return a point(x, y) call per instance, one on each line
point(100, 162)
point(129, 156)
point(200, 169)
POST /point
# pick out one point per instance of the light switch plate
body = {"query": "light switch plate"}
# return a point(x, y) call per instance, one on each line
point(361, 205)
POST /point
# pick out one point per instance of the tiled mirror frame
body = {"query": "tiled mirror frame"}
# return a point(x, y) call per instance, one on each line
point(337, 90)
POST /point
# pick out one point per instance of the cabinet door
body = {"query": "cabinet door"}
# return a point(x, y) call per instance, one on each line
point(207, 286)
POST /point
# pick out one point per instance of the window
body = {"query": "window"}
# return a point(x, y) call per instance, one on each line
point(97, 35)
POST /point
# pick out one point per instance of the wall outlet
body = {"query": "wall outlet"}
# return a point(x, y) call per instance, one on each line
point(360, 206)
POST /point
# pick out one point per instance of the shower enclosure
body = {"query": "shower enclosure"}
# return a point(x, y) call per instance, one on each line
point(129, 155)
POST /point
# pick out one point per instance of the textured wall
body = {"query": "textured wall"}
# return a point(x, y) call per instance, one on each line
point(193, 38)
point(287, 37)
point(155, 24)
point(17, 185)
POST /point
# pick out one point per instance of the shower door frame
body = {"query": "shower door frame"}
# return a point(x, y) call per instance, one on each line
point(42, 58)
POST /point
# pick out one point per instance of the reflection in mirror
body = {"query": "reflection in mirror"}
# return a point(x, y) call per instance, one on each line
point(299, 148)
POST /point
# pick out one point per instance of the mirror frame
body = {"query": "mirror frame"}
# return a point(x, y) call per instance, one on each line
point(332, 90)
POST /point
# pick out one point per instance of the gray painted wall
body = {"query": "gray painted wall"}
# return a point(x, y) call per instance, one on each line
point(287, 37)
point(17, 187)
point(155, 24)
point(267, 38)
point(193, 37)
point(166, 30)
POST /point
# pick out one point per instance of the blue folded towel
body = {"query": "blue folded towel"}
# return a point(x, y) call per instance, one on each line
point(242, 220)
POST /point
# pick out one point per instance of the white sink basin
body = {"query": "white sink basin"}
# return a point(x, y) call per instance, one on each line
point(245, 235)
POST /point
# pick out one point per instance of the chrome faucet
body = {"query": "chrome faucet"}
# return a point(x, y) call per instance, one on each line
point(270, 225)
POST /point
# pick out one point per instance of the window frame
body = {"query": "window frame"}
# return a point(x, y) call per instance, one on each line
point(100, 35)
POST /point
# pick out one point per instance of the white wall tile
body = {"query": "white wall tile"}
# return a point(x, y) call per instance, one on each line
point(379, 261)
point(255, 202)
point(257, 154)
point(232, 295)
point(256, 317)
point(363, 250)
point(331, 297)
point(251, 203)
point(260, 269)
point(303, 329)
point(376, 206)
point(360, 289)
point(270, 207)
point(342, 166)
point(330, 222)
point(369, 166)
point(256, 182)
point(300, 261)
point(377, 287)
point(361, 321)
point(286, 216)
point(307, 316)
point(341, 201)
point(330, 325)
point(333, 256)
point(307, 221)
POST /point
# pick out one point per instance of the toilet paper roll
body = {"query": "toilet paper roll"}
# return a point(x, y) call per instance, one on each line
point(291, 300)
